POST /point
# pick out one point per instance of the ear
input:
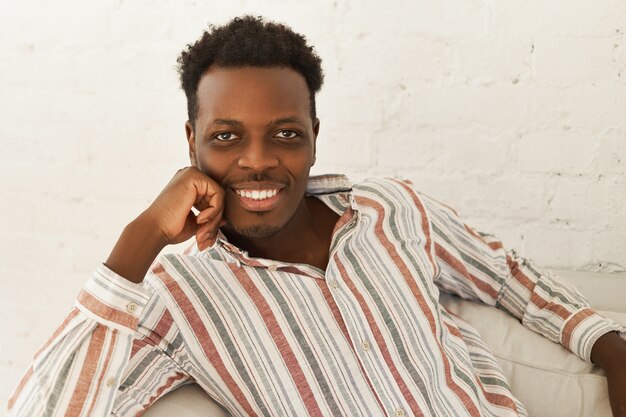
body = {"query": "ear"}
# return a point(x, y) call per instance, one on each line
point(191, 141)
point(316, 131)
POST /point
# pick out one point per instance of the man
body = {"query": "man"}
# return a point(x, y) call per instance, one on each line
point(303, 296)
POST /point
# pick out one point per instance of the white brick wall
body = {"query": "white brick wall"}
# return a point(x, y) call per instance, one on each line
point(511, 111)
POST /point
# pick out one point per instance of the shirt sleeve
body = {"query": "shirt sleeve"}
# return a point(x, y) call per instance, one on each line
point(101, 355)
point(475, 266)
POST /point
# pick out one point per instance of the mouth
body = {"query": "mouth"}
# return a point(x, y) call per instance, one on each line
point(253, 198)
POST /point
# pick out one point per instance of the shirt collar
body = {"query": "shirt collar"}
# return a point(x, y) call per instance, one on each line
point(334, 190)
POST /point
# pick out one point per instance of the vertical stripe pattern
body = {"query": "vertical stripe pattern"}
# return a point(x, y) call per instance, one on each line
point(365, 337)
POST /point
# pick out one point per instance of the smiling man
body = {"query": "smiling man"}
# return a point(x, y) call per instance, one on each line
point(300, 295)
point(254, 134)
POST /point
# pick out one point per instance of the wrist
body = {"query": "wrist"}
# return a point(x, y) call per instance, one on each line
point(144, 225)
point(136, 249)
point(608, 349)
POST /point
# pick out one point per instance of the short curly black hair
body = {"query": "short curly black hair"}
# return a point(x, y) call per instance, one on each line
point(248, 41)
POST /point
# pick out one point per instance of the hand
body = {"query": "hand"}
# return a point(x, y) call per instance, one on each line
point(169, 220)
point(609, 352)
point(171, 210)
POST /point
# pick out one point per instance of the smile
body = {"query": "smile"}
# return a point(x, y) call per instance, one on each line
point(259, 199)
point(257, 194)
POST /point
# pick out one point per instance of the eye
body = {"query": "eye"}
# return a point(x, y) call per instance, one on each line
point(287, 134)
point(226, 136)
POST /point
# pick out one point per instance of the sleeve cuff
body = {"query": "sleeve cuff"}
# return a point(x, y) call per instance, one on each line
point(583, 328)
point(112, 300)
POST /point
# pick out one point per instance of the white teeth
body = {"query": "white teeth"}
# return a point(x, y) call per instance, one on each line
point(257, 194)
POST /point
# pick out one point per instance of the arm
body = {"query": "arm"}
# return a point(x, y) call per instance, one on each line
point(609, 353)
point(80, 368)
point(475, 266)
point(100, 354)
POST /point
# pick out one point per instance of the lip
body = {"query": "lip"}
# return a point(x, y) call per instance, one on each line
point(258, 186)
point(266, 204)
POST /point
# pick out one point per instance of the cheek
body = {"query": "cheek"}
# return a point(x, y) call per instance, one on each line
point(216, 168)
point(299, 162)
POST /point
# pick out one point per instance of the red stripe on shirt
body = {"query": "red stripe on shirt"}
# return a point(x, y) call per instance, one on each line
point(425, 223)
point(114, 334)
point(571, 325)
point(107, 312)
point(408, 277)
point(274, 329)
point(27, 376)
point(90, 364)
point(462, 269)
point(70, 316)
point(157, 334)
point(204, 338)
point(380, 341)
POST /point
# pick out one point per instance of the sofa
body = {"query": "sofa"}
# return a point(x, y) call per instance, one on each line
point(548, 379)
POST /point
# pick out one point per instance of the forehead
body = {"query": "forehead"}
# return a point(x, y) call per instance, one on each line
point(252, 91)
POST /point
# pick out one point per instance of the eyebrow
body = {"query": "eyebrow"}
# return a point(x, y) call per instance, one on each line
point(237, 123)
point(227, 122)
point(283, 120)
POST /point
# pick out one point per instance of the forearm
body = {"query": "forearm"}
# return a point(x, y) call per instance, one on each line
point(76, 369)
point(136, 249)
point(608, 350)
point(554, 309)
point(609, 353)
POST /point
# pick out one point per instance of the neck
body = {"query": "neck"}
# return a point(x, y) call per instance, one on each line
point(304, 239)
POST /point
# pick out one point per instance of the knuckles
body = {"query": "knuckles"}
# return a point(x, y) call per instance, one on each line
point(191, 176)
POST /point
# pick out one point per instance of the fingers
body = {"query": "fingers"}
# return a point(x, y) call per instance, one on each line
point(210, 214)
point(209, 201)
point(210, 220)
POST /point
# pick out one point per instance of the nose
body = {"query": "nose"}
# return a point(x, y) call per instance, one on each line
point(258, 155)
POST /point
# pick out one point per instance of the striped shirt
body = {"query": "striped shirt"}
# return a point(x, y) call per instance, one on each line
point(365, 337)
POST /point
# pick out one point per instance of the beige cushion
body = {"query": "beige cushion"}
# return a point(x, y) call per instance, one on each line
point(186, 401)
point(548, 379)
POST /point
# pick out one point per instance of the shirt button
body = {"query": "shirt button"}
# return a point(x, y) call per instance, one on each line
point(272, 268)
point(110, 382)
point(399, 412)
point(365, 345)
point(334, 283)
point(131, 307)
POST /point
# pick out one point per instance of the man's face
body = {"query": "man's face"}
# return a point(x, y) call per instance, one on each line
point(255, 137)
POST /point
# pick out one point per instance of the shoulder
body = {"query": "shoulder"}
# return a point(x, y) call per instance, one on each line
point(184, 269)
point(388, 188)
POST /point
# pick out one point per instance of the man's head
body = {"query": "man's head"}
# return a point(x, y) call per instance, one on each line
point(248, 42)
point(250, 88)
